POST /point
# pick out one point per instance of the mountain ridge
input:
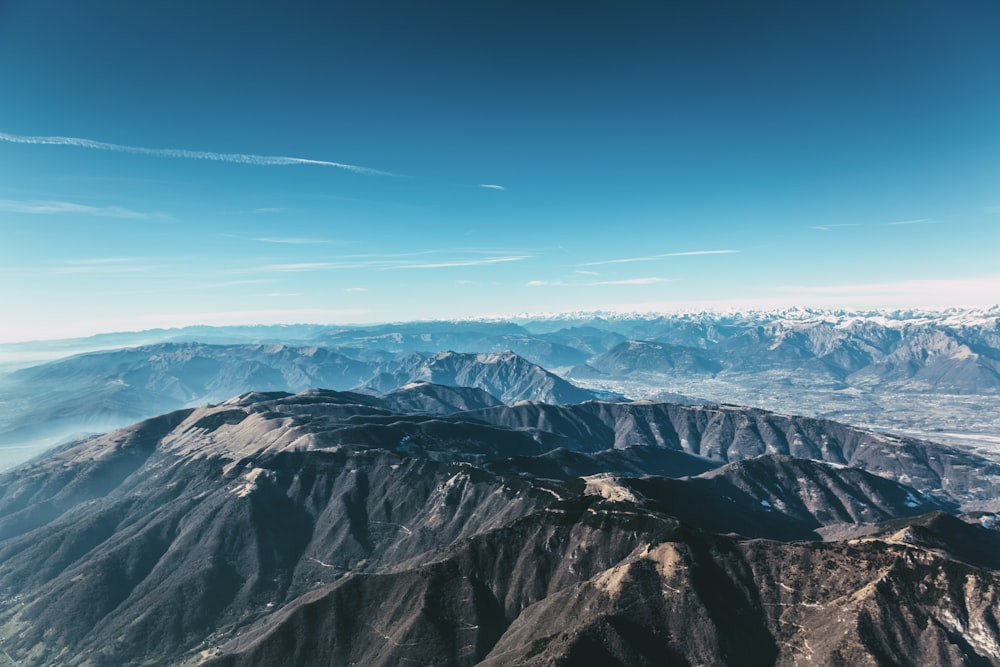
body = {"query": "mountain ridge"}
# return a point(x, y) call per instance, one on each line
point(234, 533)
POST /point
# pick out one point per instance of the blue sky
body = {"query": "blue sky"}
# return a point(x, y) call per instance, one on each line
point(164, 164)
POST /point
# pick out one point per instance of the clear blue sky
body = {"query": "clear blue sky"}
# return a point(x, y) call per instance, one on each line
point(497, 158)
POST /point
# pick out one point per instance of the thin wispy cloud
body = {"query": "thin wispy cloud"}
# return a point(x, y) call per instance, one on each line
point(355, 289)
point(827, 228)
point(449, 258)
point(111, 265)
point(588, 273)
point(632, 281)
point(65, 207)
point(235, 158)
point(492, 186)
point(291, 241)
point(597, 283)
point(269, 209)
point(464, 262)
point(198, 287)
point(653, 258)
point(299, 267)
point(921, 221)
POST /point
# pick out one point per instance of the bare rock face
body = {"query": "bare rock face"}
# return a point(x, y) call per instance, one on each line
point(574, 588)
point(504, 375)
point(335, 528)
point(101, 391)
point(728, 433)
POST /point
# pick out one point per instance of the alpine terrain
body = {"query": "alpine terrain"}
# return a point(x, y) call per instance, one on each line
point(435, 524)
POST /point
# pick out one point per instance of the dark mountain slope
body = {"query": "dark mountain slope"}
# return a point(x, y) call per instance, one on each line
point(774, 497)
point(730, 433)
point(97, 392)
point(575, 586)
point(325, 527)
point(100, 391)
point(452, 610)
point(504, 375)
point(564, 464)
point(438, 399)
point(207, 535)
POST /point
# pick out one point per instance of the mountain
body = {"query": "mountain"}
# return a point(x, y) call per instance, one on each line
point(779, 497)
point(438, 399)
point(649, 357)
point(944, 354)
point(100, 391)
point(729, 433)
point(505, 375)
point(335, 527)
point(579, 588)
point(466, 337)
point(936, 374)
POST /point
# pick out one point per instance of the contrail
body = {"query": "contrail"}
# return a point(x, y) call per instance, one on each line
point(236, 158)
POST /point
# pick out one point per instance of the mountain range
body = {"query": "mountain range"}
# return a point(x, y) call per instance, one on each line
point(335, 527)
point(483, 493)
point(100, 391)
point(936, 375)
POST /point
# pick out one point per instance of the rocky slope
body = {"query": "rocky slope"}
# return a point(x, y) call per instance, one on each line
point(935, 374)
point(732, 433)
point(333, 527)
point(100, 391)
point(505, 375)
point(578, 588)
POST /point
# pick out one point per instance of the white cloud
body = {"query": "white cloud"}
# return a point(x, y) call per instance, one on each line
point(826, 228)
point(596, 283)
point(464, 262)
point(296, 268)
point(588, 273)
point(692, 253)
point(627, 260)
point(197, 287)
point(632, 281)
point(290, 241)
point(450, 257)
point(355, 289)
point(492, 186)
point(236, 158)
point(63, 207)
point(652, 258)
